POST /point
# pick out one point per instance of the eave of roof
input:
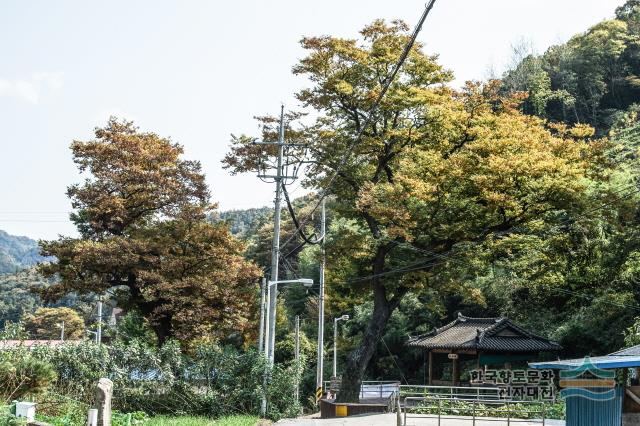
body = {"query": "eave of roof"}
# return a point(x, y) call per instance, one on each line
point(606, 362)
point(624, 358)
point(482, 334)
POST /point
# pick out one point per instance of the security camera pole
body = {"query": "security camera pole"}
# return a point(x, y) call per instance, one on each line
point(335, 342)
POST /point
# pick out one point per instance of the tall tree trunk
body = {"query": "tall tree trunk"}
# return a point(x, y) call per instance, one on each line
point(383, 307)
point(163, 329)
point(359, 359)
point(160, 322)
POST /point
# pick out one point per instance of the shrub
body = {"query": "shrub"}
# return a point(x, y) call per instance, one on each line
point(210, 381)
point(24, 375)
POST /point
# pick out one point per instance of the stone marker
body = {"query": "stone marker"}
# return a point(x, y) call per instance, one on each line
point(104, 390)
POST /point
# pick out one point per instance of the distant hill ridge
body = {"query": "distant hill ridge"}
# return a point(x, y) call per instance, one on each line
point(243, 222)
point(17, 253)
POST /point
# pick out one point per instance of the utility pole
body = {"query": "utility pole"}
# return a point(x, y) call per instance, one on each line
point(62, 331)
point(99, 328)
point(275, 245)
point(320, 362)
point(297, 357)
point(263, 291)
point(271, 304)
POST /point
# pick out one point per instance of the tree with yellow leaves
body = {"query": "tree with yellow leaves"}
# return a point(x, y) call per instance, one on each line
point(437, 172)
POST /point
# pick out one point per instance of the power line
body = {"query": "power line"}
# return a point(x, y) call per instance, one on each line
point(292, 213)
point(627, 190)
point(393, 358)
point(427, 262)
point(387, 84)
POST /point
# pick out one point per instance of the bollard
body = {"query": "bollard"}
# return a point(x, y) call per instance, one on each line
point(92, 417)
point(104, 391)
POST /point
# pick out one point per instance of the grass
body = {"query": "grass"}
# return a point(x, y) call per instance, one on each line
point(5, 420)
point(201, 421)
point(237, 421)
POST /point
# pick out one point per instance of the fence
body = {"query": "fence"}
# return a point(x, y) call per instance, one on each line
point(435, 407)
point(468, 403)
point(375, 389)
point(452, 392)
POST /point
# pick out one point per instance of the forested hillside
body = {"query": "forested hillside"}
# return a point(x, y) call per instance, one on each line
point(17, 253)
point(593, 78)
point(242, 223)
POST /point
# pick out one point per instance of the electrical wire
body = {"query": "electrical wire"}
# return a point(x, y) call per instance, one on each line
point(627, 190)
point(292, 213)
point(427, 262)
point(393, 358)
point(370, 115)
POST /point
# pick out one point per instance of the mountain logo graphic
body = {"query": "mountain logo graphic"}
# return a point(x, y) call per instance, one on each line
point(588, 381)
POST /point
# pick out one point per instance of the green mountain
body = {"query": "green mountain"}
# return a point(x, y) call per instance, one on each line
point(17, 253)
point(243, 223)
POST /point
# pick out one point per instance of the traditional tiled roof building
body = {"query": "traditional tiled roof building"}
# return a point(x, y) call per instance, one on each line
point(490, 340)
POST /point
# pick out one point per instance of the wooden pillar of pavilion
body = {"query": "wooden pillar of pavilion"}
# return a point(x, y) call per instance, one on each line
point(455, 374)
point(430, 380)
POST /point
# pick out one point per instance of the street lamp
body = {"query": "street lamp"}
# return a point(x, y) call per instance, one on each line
point(270, 329)
point(335, 344)
point(270, 332)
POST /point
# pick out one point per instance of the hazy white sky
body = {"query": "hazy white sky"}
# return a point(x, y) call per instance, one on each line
point(199, 70)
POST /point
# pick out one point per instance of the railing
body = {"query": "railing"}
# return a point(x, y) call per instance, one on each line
point(436, 406)
point(452, 392)
point(375, 388)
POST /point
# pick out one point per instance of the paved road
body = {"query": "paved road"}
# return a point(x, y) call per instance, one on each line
point(390, 420)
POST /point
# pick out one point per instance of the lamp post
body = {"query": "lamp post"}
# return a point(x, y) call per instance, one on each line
point(263, 295)
point(269, 339)
point(320, 364)
point(335, 342)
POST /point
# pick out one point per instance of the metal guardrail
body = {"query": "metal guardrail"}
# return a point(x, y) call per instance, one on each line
point(434, 402)
point(375, 388)
point(453, 392)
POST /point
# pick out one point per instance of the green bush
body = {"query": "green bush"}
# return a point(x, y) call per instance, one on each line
point(8, 418)
point(24, 375)
point(210, 381)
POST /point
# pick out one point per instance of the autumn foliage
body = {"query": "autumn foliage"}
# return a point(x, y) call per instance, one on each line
point(145, 238)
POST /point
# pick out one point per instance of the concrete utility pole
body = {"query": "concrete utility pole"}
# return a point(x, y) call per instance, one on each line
point(99, 329)
point(297, 356)
point(271, 303)
point(275, 245)
point(62, 331)
point(263, 292)
point(320, 362)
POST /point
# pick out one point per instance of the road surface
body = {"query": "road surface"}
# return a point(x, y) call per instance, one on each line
point(390, 420)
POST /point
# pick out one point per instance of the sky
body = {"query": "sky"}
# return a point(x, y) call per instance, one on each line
point(199, 70)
